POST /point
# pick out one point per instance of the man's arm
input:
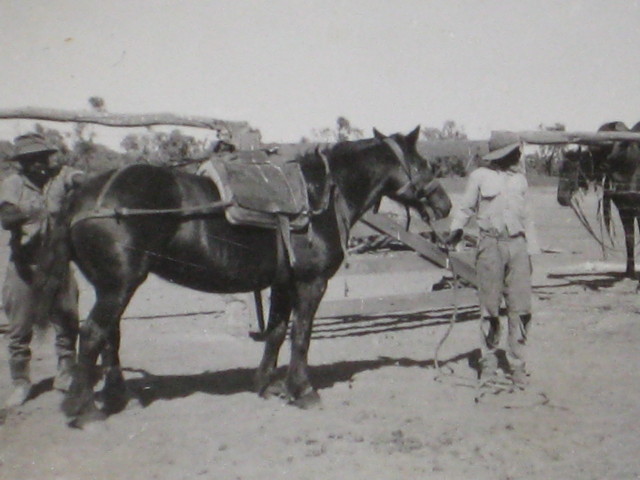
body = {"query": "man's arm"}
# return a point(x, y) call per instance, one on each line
point(466, 209)
point(11, 217)
point(468, 203)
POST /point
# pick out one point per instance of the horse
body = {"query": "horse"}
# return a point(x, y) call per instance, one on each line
point(615, 165)
point(203, 251)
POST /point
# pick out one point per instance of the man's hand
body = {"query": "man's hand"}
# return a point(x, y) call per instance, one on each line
point(76, 180)
point(454, 238)
point(11, 217)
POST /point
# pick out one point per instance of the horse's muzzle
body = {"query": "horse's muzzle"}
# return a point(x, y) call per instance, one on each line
point(436, 204)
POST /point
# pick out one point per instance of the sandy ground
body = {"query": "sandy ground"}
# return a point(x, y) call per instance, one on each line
point(387, 412)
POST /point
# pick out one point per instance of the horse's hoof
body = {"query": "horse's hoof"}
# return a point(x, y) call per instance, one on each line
point(87, 418)
point(114, 394)
point(307, 401)
point(75, 406)
point(114, 402)
point(258, 336)
point(274, 389)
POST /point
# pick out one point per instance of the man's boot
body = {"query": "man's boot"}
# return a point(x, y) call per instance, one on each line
point(21, 383)
point(63, 379)
point(488, 367)
point(519, 376)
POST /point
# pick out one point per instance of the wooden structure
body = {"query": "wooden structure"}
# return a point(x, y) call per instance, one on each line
point(459, 263)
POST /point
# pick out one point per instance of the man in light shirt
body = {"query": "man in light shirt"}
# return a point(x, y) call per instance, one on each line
point(496, 195)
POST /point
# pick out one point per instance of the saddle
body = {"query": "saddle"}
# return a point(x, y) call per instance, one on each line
point(262, 190)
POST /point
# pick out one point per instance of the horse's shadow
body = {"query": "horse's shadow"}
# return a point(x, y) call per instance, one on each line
point(147, 387)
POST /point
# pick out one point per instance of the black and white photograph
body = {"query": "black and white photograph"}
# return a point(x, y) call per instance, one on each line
point(319, 240)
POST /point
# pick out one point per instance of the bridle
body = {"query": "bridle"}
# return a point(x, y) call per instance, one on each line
point(432, 185)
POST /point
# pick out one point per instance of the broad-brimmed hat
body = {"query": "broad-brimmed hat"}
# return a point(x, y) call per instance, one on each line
point(26, 146)
point(501, 144)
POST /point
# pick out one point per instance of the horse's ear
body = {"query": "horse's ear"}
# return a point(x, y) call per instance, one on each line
point(412, 138)
point(378, 135)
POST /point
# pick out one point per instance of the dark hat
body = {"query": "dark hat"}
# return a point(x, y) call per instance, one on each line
point(501, 144)
point(27, 145)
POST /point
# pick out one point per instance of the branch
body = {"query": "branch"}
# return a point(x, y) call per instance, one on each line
point(123, 120)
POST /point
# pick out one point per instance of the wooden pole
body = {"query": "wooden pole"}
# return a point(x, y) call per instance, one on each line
point(540, 137)
point(123, 120)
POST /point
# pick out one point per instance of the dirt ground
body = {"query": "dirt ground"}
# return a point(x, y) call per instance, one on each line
point(386, 412)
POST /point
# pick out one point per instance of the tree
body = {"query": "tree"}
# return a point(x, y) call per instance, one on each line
point(343, 131)
point(160, 148)
point(550, 156)
point(449, 131)
point(97, 104)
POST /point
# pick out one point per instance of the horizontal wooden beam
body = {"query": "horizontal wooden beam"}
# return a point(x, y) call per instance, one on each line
point(442, 300)
point(543, 137)
point(458, 263)
point(121, 119)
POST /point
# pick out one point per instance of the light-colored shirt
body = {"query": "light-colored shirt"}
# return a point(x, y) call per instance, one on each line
point(499, 201)
point(34, 202)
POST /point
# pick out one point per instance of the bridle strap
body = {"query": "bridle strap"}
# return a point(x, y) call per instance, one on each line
point(399, 154)
point(397, 151)
point(395, 148)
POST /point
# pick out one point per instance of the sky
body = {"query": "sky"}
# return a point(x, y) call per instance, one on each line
point(289, 67)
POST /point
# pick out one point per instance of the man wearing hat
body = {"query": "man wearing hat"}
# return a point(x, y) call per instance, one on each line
point(496, 195)
point(27, 199)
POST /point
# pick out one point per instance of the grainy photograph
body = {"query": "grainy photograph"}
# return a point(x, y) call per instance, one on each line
point(317, 240)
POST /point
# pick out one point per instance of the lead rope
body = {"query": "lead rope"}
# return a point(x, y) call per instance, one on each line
point(454, 316)
point(452, 319)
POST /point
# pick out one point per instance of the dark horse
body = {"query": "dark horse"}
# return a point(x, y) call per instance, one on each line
point(207, 253)
point(616, 166)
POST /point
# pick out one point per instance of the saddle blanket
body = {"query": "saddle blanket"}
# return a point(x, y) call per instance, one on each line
point(260, 191)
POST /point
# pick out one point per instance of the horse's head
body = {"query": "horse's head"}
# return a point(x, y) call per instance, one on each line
point(412, 181)
point(576, 171)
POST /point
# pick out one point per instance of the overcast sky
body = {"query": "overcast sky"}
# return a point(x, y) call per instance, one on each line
point(291, 66)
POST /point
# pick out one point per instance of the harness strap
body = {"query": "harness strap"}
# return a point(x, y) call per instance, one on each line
point(284, 229)
point(341, 213)
point(329, 184)
point(119, 213)
point(107, 186)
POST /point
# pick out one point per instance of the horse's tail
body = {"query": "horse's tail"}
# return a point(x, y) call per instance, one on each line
point(53, 265)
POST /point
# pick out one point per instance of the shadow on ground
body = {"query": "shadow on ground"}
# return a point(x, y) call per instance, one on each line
point(148, 388)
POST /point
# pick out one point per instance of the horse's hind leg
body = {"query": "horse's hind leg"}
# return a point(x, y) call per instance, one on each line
point(114, 394)
point(274, 335)
point(100, 333)
point(306, 300)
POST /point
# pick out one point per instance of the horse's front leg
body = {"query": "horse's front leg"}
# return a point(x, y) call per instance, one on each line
point(306, 300)
point(274, 335)
point(627, 219)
